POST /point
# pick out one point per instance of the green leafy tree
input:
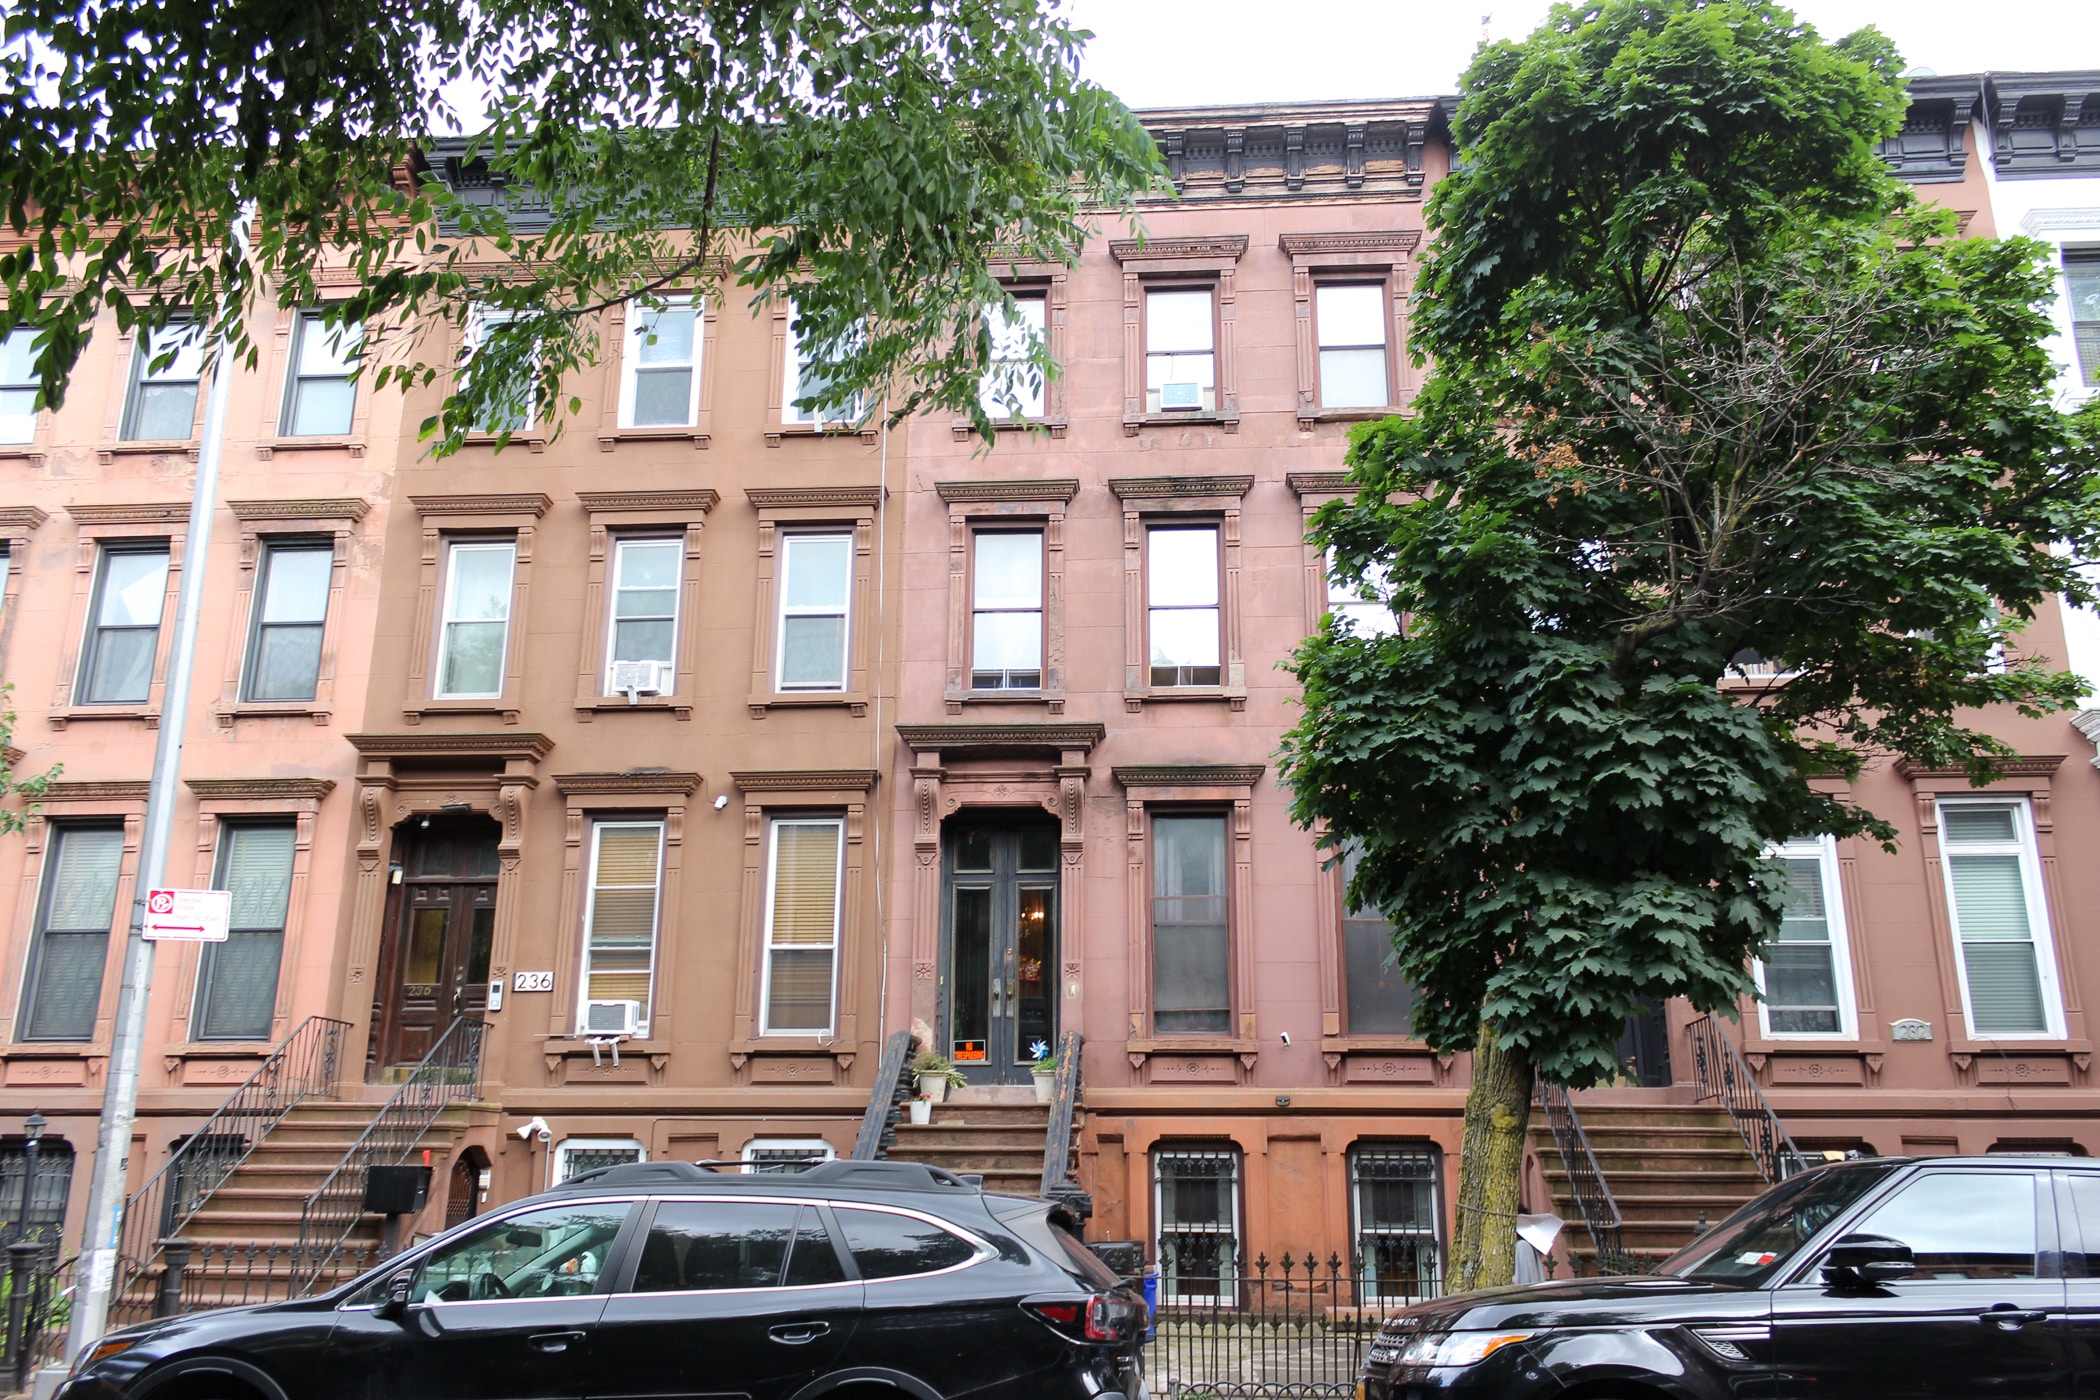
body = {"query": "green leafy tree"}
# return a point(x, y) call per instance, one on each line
point(879, 160)
point(13, 784)
point(1707, 385)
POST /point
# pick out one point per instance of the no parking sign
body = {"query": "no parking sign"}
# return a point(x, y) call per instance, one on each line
point(194, 916)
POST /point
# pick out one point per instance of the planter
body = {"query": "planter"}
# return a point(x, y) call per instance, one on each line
point(933, 1086)
point(922, 1110)
point(1045, 1086)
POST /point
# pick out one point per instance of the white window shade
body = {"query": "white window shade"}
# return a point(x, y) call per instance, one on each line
point(476, 635)
point(802, 922)
point(1006, 642)
point(1994, 891)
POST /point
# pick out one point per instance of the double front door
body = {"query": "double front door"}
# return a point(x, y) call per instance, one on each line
point(999, 994)
point(441, 930)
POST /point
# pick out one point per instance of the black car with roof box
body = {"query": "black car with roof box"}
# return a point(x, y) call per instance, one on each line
point(651, 1281)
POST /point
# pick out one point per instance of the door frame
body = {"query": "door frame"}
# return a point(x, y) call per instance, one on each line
point(386, 1001)
point(1006, 822)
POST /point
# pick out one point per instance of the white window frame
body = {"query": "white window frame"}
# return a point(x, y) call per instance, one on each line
point(2039, 927)
point(612, 604)
point(784, 610)
point(838, 895)
point(479, 319)
point(1357, 613)
point(631, 360)
point(26, 335)
point(1216, 607)
point(1823, 850)
point(1154, 405)
point(568, 1147)
point(145, 350)
point(1011, 368)
point(308, 321)
point(1382, 297)
point(978, 608)
point(791, 388)
point(1160, 1155)
point(446, 619)
point(590, 910)
point(807, 1147)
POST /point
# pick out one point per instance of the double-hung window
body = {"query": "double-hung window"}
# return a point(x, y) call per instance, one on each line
point(1362, 608)
point(1393, 1202)
point(123, 633)
point(237, 984)
point(474, 638)
point(1191, 938)
point(1181, 362)
point(1006, 610)
point(1350, 319)
point(508, 408)
point(643, 629)
point(2082, 289)
point(1184, 631)
point(620, 925)
point(18, 386)
point(802, 925)
point(1014, 386)
point(291, 613)
point(660, 367)
point(73, 923)
point(1377, 998)
point(2001, 925)
point(816, 597)
point(319, 391)
point(806, 377)
point(1805, 972)
point(166, 367)
point(1196, 1210)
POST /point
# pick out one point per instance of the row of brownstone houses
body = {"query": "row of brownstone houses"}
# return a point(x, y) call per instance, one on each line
point(698, 749)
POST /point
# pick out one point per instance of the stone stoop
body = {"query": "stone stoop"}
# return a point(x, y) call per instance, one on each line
point(995, 1136)
point(1667, 1165)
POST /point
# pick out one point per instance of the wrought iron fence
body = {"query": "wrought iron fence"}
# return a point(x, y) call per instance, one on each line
point(1593, 1198)
point(1271, 1329)
point(449, 1074)
point(308, 1064)
point(37, 1288)
point(1723, 1076)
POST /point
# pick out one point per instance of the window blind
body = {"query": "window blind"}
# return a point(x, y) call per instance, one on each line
point(803, 930)
point(237, 986)
point(620, 949)
point(79, 905)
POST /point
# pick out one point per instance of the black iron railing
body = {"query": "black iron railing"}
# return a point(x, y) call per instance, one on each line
point(449, 1074)
point(307, 1065)
point(1586, 1183)
point(1723, 1076)
point(1060, 1178)
point(892, 1088)
point(37, 1289)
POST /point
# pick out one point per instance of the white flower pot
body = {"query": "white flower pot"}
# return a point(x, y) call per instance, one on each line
point(1045, 1086)
point(922, 1110)
point(933, 1086)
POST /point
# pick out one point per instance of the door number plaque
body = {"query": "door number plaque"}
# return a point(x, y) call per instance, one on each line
point(532, 982)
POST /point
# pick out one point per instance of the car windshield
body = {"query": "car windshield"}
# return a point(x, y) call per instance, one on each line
point(1755, 1243)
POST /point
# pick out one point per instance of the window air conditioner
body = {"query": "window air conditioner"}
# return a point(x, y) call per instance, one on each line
point(611, 1017)
point(637, 678)
point(1180, 395)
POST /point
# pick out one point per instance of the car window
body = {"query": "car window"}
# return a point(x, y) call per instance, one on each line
point(1962, 1225)
point(555, 1252)
point(2082, 1237)
point(1753, 1245)
point(707, 1245)
point(891, 1246)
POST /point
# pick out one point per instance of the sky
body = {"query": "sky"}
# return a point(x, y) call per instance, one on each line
point(1174, 53)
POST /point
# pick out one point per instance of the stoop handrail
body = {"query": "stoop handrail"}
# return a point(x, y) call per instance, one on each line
point(1723, 1074)
point(878, 1121)
point(1593, 1197)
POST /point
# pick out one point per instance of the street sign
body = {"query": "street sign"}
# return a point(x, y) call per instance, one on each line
point(191, 916)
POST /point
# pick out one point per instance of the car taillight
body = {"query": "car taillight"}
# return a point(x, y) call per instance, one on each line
point(1099, 1318)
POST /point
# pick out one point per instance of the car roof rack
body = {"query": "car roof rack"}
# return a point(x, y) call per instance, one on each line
point(889, 1176)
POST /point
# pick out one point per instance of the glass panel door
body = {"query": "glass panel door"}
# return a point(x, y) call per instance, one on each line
point(999, 994)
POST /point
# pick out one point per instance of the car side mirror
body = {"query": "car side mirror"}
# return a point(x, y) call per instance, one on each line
point(395, 1302)
point(1867, 1260)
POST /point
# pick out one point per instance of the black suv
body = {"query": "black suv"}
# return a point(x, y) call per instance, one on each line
point(665, 1280)
point(1871, 1280)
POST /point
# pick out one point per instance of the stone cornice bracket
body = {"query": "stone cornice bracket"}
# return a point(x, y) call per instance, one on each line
point(260, 789)
point(807, 780)
point(1395, 240)
point(529, 747)
point(976, 739)
point(90, 791)
point(1318, 483)
point(152, 513)
point(1149, 488)
point(703, 500)
point(1127, 250)
point(1189, 774)
point(637, 783)
point(793, 497)
point(330, 508)
point(533, 503)
point(21, 520)
point(2024, 766)
point(1060, 489)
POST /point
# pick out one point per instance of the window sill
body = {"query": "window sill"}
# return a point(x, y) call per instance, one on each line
point(854, 701)
point(62, 715)
point(1229, 421)
point(108, 452)
point(268, 447)
point(413, 714)
point(696, 435)
point(1192, 1045)
point(1233, 695)
point(534, 440)
point(588, 710)
point(1350, 415)
point(1054, 699)
point(961, 429)
point(776, 1060)
point(271, 709)
point(25, 452)
point(776, 433)
point(1374, 1044)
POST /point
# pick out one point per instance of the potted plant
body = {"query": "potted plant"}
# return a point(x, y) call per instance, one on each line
point(1044, 1069)
point(932, 1073)
point(922, 1108)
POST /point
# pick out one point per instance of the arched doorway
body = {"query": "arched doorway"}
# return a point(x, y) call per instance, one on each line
point(440, 931)
point(463, 1189)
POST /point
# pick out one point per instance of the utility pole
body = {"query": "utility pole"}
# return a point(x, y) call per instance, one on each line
point(120, 1094)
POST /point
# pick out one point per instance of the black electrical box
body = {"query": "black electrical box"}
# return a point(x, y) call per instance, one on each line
point(1126, 1257)
point(396, 1190)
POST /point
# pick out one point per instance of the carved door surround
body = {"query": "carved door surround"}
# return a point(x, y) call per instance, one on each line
point(996, 765)
point(400, 776)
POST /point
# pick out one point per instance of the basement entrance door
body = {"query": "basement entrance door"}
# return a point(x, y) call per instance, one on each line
point(999, 997)
point(441, 929)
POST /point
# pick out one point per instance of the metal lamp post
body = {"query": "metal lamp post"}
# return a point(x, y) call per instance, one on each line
point(32, 1136)
point(22, 1254)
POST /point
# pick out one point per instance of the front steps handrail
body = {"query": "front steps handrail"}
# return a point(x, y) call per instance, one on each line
point(450, 1073)
point(1723, 1075)
point(1059, 1182)
point(1592, 1193)
point(878, 1121)
point(308, 1062)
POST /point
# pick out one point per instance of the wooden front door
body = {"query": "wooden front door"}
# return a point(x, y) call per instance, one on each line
point(999, 997)
point(441, 928)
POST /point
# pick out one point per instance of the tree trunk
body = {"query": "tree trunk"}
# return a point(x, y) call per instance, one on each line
point(1491, 1166)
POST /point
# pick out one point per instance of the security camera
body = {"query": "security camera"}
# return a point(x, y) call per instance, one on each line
point(721, 801)
point(536, 1128)
point(1286, 1036)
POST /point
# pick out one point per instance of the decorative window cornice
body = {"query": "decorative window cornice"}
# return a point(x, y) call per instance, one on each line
point(2042, 222)
point(2025, 766)
point(1144, 488)
point(65, 791)
point(979, 738)
point(524, 746)
point(794, 497)
point(1318, 483)
point(1062, 489)
point(634, 784)
point(533, 503)
point(1189, 775)
point(21, 520)
point(150, 513)
point(1129, 250)
point(260, 789)
point(327, 508)
point(1395, 240)
point(807, 780)
point(601, 502)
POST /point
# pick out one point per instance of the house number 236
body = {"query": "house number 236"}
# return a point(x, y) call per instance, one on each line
point(532, 982)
